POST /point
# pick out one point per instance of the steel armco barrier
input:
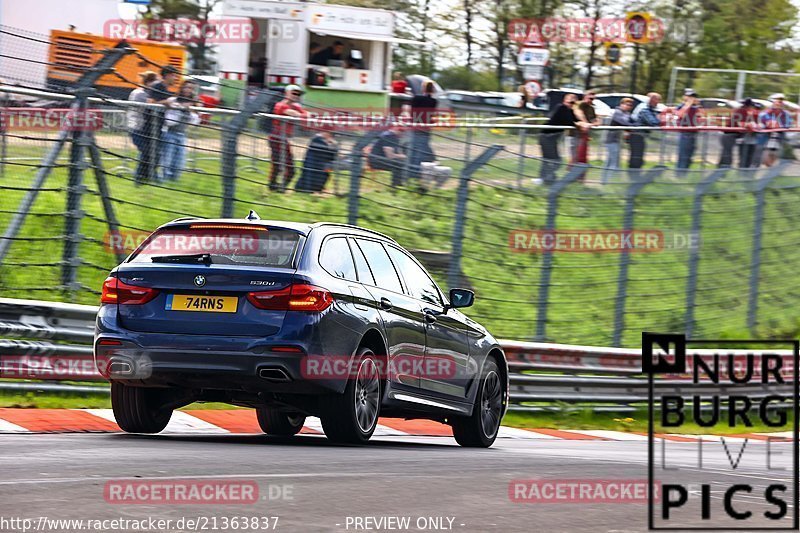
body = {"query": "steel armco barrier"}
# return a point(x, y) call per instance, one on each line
point(543, 376)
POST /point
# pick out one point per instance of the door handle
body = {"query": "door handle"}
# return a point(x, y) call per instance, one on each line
point(385, 304)
point(430, 316)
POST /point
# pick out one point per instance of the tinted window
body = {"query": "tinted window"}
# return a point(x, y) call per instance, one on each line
point(381, 266)
point(362, 268)
point(336, 258)
point(420, 285)
point(221, 244)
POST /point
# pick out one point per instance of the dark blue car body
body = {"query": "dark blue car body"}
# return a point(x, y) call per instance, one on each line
point(255, 357)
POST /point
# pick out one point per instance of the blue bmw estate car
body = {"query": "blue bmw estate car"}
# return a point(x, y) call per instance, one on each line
point(293, 320)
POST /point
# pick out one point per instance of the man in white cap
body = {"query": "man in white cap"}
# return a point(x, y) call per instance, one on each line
point(280, 137)
point(770, 143)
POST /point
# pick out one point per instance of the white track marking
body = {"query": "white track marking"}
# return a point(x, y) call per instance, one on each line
point(8, 427)
point(516, 433)
point(606, 434)
point(179, 423)
point(312, 422)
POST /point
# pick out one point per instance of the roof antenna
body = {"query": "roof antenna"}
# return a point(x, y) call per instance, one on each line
point(252, 216)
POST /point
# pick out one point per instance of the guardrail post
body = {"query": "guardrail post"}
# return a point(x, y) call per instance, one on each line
point(755, 257)
point(640, 181)
point(230, 141)
point(454, 269)
point(575, 172)
point(694, 251)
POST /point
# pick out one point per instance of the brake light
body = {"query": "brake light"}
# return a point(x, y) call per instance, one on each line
point(117, 292)
point(297, 297)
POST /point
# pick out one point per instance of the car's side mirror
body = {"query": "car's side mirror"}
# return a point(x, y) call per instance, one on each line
point(460, 298)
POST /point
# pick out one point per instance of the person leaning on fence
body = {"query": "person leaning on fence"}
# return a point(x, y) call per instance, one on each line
point(562, 115)
point(689, 115)
point(585, 113)
point(645, 114)
point(423, 113)
point(281, 135)
point(136, 115)
point(387, 154)
point(157, 93)
point(318, 163)
point(619, 118)
point(177, 120)
point(772, 142)
point(742, 122)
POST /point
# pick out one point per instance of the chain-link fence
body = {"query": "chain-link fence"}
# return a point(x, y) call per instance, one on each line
point(567, 252)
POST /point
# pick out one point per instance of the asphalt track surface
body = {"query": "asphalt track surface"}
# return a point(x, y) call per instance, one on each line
point(64, 477)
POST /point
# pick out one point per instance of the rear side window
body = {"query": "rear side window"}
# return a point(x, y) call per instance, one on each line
point(336, 259)
point(362, 268)
point(223, 244)
point(419, 284)
point(380, 265)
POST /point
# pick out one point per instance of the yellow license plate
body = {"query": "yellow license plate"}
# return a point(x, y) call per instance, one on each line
point(205, 304)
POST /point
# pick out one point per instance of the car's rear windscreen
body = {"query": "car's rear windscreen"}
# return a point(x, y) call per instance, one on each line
point(221, 244)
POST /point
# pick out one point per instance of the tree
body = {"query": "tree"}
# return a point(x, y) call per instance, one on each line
point(195, 10)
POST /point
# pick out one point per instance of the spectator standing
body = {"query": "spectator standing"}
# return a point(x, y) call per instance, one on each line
point(620, 117)
point(747, 117)
point(645, 114)
point(281, 135)
point(563, 115)
point(423, 112)
point(318, 162)
point(157, 93)
point(586, 114)
point(136, 115)
point(689, 115)
point(771, 142)
point(177, 120)
point(387, 154)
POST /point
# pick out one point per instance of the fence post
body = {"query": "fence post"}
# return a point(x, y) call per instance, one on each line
point(230, 141)
point(640, 181)
point(694, 251)
point(576, 171)
point(454, 269)
point(356, 169)
point(75, 190)
point(755, 257)
point(523, 134)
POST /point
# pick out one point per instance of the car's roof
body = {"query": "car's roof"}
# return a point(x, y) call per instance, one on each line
point(300, 227)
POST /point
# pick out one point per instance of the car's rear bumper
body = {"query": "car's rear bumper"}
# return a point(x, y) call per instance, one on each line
point(208, 362)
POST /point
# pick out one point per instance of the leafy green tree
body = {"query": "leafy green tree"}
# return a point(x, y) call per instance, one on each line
point(197, 10)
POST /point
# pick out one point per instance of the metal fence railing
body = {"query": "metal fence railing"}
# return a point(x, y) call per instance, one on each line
point(47, 347)
point(555, 250)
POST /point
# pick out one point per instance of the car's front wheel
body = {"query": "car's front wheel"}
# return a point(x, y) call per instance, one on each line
point(352, 417)
point(139, 409)
point(280, 423)
point(480, 429)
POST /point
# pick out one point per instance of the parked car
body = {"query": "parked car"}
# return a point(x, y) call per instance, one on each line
point(293, 319)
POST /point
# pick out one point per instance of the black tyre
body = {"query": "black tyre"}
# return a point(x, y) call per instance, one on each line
point(274, 422)
point(352, 417)
point(138, 409)
point(480, 429)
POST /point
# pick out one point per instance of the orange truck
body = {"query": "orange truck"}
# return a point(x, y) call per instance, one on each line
point(71, 53)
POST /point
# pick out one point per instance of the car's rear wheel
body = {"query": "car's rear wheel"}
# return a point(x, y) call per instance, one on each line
point(480, 429)
point(352, 417)
point(281, 423)
point(139, 409)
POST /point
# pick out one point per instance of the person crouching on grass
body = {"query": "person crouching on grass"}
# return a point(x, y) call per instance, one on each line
point(280, 137)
